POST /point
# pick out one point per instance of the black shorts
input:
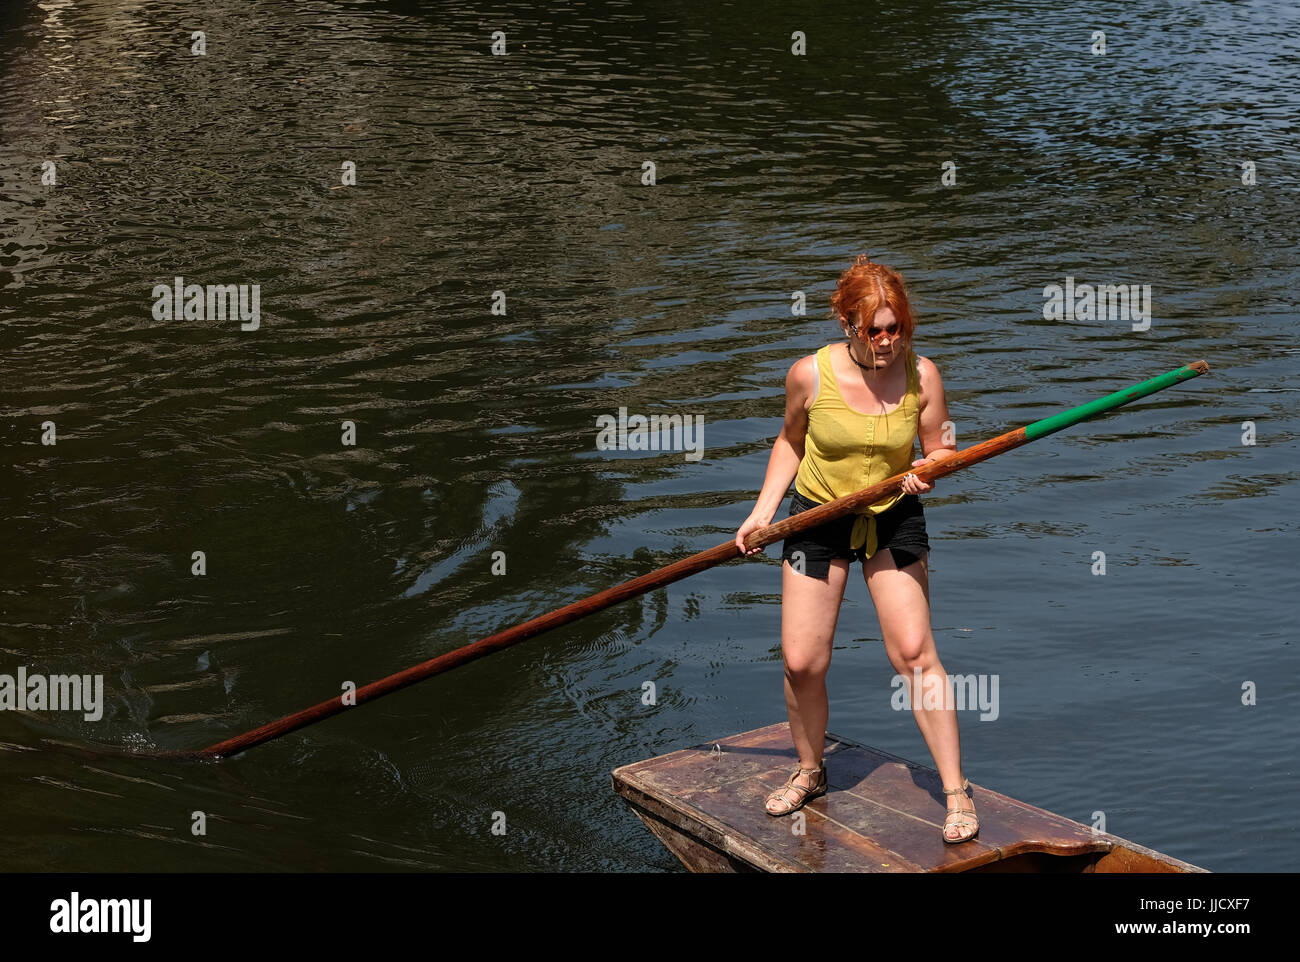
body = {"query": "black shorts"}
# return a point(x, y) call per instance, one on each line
point(901, 529)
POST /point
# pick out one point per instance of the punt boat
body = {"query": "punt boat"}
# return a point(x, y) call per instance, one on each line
point(882, 813)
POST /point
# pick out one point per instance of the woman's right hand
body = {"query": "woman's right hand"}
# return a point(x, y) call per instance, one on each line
point(752, 523)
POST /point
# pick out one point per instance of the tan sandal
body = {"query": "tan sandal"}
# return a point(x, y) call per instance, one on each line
point(801, 793)
point(959, 818)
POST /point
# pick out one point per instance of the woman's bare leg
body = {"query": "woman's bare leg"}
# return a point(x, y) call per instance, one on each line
point(902, 600)
point(810, 608)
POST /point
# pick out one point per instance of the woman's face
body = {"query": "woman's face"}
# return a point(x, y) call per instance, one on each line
point(882, 338)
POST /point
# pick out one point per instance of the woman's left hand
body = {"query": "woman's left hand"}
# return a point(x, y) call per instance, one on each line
point(914, 485)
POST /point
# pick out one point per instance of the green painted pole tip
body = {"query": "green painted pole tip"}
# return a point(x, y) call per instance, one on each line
point(1100, 406)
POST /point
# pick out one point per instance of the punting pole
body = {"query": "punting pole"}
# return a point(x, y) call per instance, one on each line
point(695, 563)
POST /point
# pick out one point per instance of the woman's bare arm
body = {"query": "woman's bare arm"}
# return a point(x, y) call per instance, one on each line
point(933, 424)
point(787, 449)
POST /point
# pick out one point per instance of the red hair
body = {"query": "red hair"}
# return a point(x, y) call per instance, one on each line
point(865, 288)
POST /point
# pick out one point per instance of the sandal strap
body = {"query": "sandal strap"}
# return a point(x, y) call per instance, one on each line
point(781, 795)
point(962, 819)
point(789, 782)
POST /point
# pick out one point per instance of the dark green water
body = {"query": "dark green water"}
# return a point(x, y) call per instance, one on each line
point(475, 432)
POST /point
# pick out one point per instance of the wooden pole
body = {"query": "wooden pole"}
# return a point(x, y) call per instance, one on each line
point(695, 563)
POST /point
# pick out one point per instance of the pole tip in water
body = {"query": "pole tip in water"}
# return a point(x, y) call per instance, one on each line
point(1200, 367)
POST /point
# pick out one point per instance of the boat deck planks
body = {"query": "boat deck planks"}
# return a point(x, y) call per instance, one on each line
point(882, 814)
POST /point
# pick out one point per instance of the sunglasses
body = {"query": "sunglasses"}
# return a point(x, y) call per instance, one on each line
point(876, 333)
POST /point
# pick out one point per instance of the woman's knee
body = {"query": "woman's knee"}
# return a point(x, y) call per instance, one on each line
point(912, 653)
point(806, 667)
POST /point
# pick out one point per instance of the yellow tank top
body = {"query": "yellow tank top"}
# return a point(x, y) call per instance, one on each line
point(846, 450)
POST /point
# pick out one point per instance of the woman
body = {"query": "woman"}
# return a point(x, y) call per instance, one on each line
point(853, 412)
